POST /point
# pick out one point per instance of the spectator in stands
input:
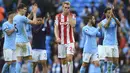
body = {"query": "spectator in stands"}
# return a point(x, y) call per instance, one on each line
point(85, 12)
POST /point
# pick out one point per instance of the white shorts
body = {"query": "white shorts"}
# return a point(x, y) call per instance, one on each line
point(38, 54)
point(101, 52)
point(64, 49)
point(9, 54)
point(88, 57)
point(23, 49)
point(108, 51)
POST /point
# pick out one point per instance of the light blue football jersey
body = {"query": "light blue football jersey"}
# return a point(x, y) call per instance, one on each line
point(20, 22)
point(9, 40)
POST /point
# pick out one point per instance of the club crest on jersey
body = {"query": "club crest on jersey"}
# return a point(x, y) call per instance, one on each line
point(113, 22)
point(64, 23)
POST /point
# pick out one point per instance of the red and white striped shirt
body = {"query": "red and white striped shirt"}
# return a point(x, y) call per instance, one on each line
point(66, 32)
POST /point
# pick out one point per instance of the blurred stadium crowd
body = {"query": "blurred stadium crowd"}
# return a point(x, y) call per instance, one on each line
point(49, 8)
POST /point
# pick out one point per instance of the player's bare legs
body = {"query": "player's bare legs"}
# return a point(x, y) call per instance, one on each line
point(44, 65)
point(34, 66)
point(70, 62)
point(83, 67)
point(28, 60)
point(96, 63)
point(39, 59)
point(115, 61)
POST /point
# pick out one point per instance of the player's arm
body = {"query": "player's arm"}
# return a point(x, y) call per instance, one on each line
point(72, 20)
point(83, 37)
point(99, 33)
point(30, 15)
point(91, 33)
point(56, 32)
point(34, 21)
point(9, 32)
point(117, 21)
point(106, 25)
point(34, 9)
point(113, 16)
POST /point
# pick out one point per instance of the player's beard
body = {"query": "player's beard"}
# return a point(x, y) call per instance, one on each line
point(24, 13)
point(93, 23)
point(108, 16)
point(66, 12)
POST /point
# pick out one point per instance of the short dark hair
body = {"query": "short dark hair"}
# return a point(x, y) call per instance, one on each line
point(21, 6)
point(89, 17)
point(106, 9)
point(86, 7)
point(11, 12)
point(39, 16)
point(92, 2)
point(34, 3)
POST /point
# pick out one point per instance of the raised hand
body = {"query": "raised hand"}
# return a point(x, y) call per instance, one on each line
point(70, 19)
point(100, 25)
point(34, 8)
point(58, 40)
point(43, 20)
point(112, 14)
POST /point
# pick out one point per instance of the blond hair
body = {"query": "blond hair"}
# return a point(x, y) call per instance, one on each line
point(66, 2)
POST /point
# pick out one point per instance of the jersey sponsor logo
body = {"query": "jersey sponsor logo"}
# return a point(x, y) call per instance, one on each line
point(64, 23)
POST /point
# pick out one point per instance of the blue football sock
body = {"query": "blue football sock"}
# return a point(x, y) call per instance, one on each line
point(109, 67)
point(18, 67)
point(5, 68)
point(12, 67)
point(30, 67)
point(94, 69)
point(82, 69)
point(105, 67)
point(91, 68)
point(102, 66)
point(97, 69)
point(113, 66)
